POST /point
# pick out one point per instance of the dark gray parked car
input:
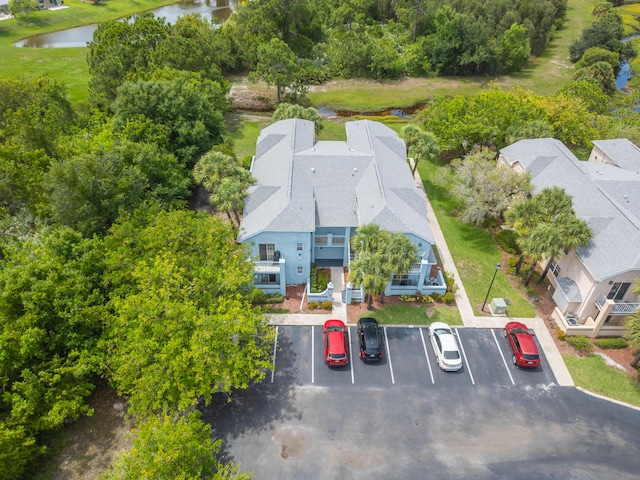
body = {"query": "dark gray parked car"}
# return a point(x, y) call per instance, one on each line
point(371, 349)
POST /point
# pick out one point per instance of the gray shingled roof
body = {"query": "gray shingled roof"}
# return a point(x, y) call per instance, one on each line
point(303, 184)
point(606, 196)
point(621, 151)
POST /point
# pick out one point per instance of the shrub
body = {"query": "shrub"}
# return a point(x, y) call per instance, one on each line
point(326, 305)
point(436, 297)
point(507, 241)
point(450, 282)
point(319, 279)
point(258, 297)
point(313, 305)
point(611, 343)
point(407, 298)
point(419, 297)
point(428, 299)
point(580, 343)
point(561, 335)
point(275, 310)
point(449, 298)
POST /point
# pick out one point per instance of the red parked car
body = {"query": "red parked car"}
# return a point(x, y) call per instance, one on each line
point(523, 345)
point(336, 343)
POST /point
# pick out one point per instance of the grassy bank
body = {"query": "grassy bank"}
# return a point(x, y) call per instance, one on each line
point(592, 373)
point(66, 65)
point(474, 251)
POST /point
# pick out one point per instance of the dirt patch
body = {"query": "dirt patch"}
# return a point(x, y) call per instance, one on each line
point(92, 441)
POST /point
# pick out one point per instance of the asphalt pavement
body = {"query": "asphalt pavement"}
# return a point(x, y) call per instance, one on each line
point(469, 318)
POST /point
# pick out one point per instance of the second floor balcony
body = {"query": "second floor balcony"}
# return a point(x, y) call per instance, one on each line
point(620, 307)
point(267, 267)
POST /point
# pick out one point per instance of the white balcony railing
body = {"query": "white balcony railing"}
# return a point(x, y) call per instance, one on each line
point(620, 308)
point(267, 267)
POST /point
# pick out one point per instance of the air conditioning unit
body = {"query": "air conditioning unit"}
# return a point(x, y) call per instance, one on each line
point(498, 306)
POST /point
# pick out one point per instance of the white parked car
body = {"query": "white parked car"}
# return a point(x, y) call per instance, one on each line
point(445, 346)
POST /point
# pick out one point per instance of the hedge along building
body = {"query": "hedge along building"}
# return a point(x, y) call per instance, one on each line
point(311, 196)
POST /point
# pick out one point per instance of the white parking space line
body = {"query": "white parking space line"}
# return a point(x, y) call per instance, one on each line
point(464, 355)
point(426, 354)
point(313, 370)
point(275, 349)
point(350, 355)
point(506, 366)
point(386, 341)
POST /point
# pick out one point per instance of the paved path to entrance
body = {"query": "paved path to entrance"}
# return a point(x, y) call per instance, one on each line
point(467, 312)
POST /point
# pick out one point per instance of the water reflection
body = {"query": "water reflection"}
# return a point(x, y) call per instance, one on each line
point(79, 36)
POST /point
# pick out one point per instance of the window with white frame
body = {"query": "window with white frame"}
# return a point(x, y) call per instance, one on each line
point(266, 251)
point(555, 268)
point(300, 270)
point(267, 278)
point(299, 246)
point(618, 291)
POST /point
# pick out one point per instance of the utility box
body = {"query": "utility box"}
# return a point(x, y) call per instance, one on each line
point(498, 306)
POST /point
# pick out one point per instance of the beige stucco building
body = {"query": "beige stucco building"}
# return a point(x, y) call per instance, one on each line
point(592, 285)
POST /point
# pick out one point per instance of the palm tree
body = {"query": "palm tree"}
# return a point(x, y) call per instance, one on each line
point(226, 180)
point(533, 246)
point(571, 232)
point(399, 253)
point(292, 110)
point(229, 197)
point(546, 225)
point(366, 239)
point(424, 147)
point(211, 167)
point(369, 270)
point(522, 218)
point(410, 134)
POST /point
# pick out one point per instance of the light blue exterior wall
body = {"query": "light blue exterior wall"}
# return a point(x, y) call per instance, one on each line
point(286, 243)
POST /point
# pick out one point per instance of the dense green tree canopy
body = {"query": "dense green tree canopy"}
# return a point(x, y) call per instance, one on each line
point(390, 38)
point(182, 329)
point(51, 318)
point(172, 447)
point(185, 109)
point(494, 116)
point(90, 191)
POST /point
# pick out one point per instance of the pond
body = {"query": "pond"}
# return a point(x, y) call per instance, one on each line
point(79, 36)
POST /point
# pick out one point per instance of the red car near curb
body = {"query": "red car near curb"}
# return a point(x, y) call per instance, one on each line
point(336, 343)
point(523, 345)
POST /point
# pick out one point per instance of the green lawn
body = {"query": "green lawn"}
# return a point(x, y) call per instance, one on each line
point(592, 373)
point(410, 314)
point(66, 65)
point(544, 75)
point(474, 252)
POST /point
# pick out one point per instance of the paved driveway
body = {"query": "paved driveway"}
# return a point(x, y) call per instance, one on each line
point(406, 419)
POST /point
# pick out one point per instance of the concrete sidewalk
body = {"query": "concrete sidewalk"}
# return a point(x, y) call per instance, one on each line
point(469, 318)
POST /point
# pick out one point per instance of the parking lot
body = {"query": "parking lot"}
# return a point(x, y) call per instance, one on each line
point(409, 360)
point(404, 418)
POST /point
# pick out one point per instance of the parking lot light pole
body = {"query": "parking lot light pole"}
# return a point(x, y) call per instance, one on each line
point(490, 285)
